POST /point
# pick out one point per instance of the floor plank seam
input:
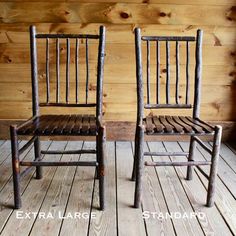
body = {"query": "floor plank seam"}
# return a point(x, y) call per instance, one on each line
point(59, 232)
point(45, 195)
point(162, 191)
point(218, 175)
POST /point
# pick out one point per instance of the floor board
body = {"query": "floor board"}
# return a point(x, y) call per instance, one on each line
point(68, 196)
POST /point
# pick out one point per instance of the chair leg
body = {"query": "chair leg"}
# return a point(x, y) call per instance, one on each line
point(213, 170)
point(133, 178)
point(139, 165)
point(37, 154)
point(101, 144)
point(192, 148)
point(15, 167)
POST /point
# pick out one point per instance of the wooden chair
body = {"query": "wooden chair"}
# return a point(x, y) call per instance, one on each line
point(176, 125)
point(61, 124)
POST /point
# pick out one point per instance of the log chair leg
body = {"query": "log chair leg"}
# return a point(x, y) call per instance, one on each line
point(139, 165)
point(101, 165)
point(192, 148)
point(133, 178)
point(15, 167)
point(213, 170)
point(37, 154)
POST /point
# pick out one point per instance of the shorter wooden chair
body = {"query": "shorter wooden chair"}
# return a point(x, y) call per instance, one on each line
point(176, 125)
point(78, 124)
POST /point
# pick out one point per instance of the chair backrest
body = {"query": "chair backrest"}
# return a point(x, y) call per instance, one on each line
point(167, 40)
point(67, 39)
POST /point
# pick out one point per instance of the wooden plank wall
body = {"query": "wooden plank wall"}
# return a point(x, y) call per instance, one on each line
point(156, 17)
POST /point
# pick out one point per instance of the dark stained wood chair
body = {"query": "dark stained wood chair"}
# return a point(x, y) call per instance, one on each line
point(77, 124)
point(176, 125)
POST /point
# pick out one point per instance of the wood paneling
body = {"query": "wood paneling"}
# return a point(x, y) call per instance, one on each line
point(155, 17)
point(17, 73)
point(118, 54)
point(196, 2)
point(116, 13)
point(215, 36)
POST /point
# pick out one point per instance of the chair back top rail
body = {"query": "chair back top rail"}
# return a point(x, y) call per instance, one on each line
point(64, 36)
point(168, 38)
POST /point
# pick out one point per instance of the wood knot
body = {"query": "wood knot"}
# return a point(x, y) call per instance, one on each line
point(92, 87)
point(7, 59)
point(145, 1)
point(231, 14)
point(233, 54)
point(164, 70)
point(67, 13)
point(124, 15)
point(189, 27)
point(163, 14)
point(217, 41)
point(232, 73)
point(216, 106)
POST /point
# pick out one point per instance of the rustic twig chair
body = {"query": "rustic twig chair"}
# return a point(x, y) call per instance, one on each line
point(172, 125)
point(62, 125)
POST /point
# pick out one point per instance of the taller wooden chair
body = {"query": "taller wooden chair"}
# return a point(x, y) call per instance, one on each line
point(78, 124)
point(176, 125)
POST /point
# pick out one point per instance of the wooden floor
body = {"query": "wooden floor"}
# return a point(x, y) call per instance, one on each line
point(65, 191)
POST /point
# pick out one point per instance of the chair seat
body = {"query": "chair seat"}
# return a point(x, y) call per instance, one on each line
point(60, 125)
point(155, 125)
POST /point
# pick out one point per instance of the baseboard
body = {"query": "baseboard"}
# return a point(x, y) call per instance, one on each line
point(124, 131)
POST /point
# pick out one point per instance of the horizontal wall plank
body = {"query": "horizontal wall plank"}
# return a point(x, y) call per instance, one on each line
point(116, 73)
point(118, 54)
point(119, 33)
point(196, 2)
point(15, 12)
point(112, 93)
point(15, 102)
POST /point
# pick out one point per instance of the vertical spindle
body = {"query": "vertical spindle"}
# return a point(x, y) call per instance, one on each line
point(58, 70)
point(47, 70)
point(67, 69)
point(76, 70)
point(167, 72)
point(158, 72)
point(87, 70)
point(187, 72)
point(177, 73)
point(148, 72)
